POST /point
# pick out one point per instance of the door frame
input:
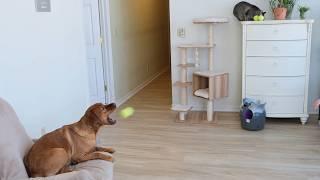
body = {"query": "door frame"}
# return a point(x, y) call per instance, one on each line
point(106, 46)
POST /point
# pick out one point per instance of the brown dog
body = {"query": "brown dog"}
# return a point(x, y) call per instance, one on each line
point(54, 152)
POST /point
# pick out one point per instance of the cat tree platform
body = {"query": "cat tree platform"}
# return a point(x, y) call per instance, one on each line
point(183, 84)
point(181, 108)
point(210, 20)
point(196, 46)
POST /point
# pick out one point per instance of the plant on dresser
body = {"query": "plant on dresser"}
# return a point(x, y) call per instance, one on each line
point(303, 10)
point(279, 9)
point(289, 4)
point(276, 60)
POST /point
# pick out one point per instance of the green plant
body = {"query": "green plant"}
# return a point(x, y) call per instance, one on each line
point(303, 10)
point(289, 4)
point(277, 4)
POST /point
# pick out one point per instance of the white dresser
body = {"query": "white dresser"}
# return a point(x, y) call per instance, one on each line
point(276, 61)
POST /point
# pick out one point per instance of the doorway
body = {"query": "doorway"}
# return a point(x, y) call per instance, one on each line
point(98, 50)
point(140, 44)
point(139, 51)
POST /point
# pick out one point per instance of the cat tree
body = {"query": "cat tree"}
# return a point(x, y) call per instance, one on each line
point(207, 84)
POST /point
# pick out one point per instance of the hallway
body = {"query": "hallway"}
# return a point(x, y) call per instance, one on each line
point(151, 145)
point(155, 97)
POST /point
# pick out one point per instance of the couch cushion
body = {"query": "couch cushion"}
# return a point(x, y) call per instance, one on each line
point(90, 170)
point(75, 175)
point(14, 143)
point(98, 169)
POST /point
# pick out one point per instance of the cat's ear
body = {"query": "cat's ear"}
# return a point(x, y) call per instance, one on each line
point(263, 13)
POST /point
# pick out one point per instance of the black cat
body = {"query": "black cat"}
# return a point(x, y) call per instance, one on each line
point(245, 11)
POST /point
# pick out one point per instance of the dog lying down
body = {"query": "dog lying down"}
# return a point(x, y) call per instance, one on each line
point(54, 152)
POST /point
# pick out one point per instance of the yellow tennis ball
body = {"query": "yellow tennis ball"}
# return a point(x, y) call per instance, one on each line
point(127, 112)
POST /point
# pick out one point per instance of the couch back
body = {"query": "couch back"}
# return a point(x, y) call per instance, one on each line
point(14, 144)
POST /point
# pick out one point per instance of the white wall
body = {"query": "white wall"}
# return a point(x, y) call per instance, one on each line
point(140, 42)
point(228, 37)
point(314, 91)
point(42, 63)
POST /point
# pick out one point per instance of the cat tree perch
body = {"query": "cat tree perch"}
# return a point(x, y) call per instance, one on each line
point(207, 84)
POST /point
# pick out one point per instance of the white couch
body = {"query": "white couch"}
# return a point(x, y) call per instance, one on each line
point(15, 143)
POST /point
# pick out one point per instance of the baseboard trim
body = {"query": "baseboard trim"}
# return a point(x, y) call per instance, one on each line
point(228, 109)
point(216, 108)
point(140, 87)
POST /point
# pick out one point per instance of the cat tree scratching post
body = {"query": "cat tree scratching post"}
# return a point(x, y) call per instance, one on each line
point(206, 84)
point(210, 35)
point(211, 84)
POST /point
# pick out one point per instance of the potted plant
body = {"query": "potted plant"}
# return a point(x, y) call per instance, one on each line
point(289, 4)
point(302, 11)
point(279, 9)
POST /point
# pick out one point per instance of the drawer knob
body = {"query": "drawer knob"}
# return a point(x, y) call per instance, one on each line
point(274, 64)
point(275, 48)
point(275, 31)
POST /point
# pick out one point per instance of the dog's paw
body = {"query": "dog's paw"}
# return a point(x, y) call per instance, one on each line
point(109, 159)
point(104, 149)
point(111, 150)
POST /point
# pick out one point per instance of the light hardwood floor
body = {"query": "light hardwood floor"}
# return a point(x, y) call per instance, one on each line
point(151, 145)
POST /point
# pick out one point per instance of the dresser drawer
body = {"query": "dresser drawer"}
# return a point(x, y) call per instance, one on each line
point(282, 104)
point(277, 86)
point(277, 32)
point(277, 48)
point(276, 66)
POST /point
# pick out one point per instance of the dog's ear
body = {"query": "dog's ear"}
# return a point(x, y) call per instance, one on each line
point(92, 112)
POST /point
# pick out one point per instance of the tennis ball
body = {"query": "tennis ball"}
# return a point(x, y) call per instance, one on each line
point(261, 18)
point(126, 112)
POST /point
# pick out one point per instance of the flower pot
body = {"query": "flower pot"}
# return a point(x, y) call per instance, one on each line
point(280, 13)
point(302, 15)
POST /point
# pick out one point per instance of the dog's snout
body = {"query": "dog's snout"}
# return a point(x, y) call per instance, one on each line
point(111, 121)
point(111, 106)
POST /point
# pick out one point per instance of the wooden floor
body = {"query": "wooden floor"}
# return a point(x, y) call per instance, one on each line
point(151, 145)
